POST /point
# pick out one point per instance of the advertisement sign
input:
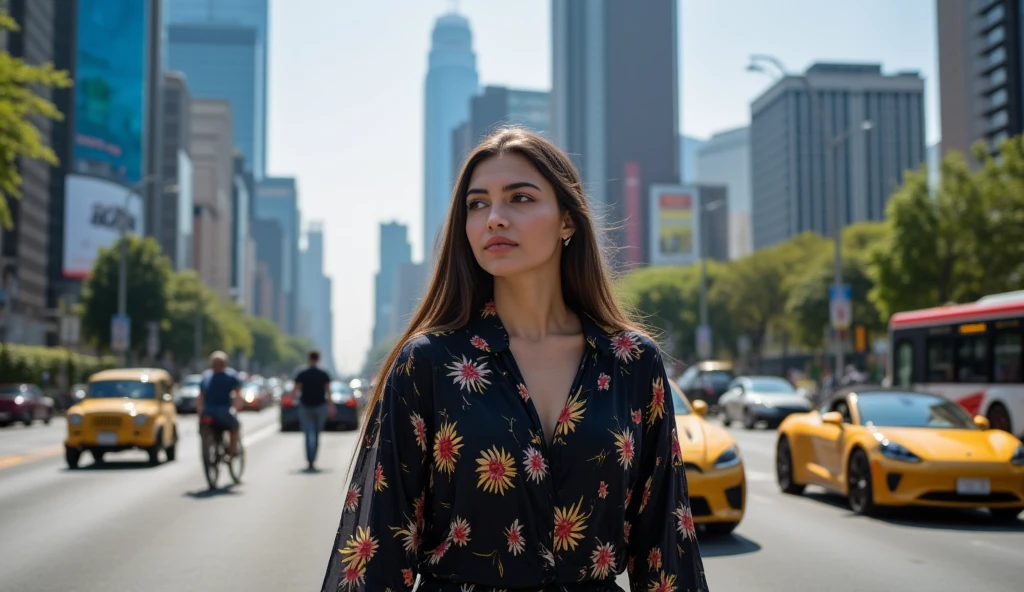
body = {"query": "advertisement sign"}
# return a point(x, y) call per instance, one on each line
point(110, 113)
point(120, 333)
point(673, 225)
point(839, 306)
point(93, 216)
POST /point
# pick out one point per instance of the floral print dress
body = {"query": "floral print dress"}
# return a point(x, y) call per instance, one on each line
point(456, 483)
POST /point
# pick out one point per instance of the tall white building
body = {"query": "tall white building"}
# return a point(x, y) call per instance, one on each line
point(725, 160)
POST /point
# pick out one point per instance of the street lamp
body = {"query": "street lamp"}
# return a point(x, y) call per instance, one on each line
point(704, 323)
point(828, 145)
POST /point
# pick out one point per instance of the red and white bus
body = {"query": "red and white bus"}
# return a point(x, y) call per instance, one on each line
point(972, 354)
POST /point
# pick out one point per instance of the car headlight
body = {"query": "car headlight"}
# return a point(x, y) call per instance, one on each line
point(729, 458)
point(763, 403)
point(140, 419)
point(19, 400)
point(75, 419)
point(896, 451)
point(1018, 456)
point(248, 397)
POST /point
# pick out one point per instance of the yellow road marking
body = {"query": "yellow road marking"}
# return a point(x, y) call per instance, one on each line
point(20, 459)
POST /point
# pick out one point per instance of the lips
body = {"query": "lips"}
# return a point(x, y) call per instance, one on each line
point(500, 242)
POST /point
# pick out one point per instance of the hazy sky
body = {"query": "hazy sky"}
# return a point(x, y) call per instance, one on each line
point(346, 98)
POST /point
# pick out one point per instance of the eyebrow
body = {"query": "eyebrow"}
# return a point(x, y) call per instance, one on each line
point(507, 188)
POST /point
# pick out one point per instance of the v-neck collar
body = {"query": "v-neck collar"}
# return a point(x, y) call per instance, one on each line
point(486, 325)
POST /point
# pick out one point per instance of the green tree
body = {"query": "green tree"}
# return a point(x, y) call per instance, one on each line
point(296, 351)
point(20, 107)
point(187, 296)
point(149, 276)
point(268, 345)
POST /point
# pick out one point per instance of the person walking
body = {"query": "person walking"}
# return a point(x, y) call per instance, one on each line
point(313, 389)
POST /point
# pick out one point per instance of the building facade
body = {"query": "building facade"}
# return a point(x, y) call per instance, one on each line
point(277, 198)
point(270, 252)
point(317, 314)
point(451, 82)
point(981, 72)
point(243, 263)
point(725, 160)
point(211, 148)
point(175, 233)
point(495, 107)
point(395, 252)
point(615, 108)
point(410, 285)
point(787, 157)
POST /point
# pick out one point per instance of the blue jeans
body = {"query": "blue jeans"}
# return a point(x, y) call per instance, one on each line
point(312, 420)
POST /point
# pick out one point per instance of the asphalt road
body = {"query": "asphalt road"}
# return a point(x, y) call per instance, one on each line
point(128, 527)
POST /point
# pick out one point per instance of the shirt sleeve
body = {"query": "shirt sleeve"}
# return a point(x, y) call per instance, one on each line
point(383, 514)
point(662, 545)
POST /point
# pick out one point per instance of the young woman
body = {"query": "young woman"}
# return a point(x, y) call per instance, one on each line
point(521, 437)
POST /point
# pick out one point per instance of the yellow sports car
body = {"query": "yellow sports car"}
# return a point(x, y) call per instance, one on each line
point(714, 467)
point(892, 447)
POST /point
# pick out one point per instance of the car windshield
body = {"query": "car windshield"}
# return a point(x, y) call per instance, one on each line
point(12, 390)
point(194, 380)
point(340, 387)
point(121, 389)
point(912, 410)
point(771, 386)
point(678, 401)
point(717, 378)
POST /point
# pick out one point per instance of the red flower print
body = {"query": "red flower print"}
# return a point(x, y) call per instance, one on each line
point(656, 408)
point(667, 583)
point(353, 576)
point(360, 548)
point(489, 310)
point(479, 343)
point(637, 417)
point(469, 375)
point(408, 578)
point(536, 465)
point(419, 428)
point(571, 414)
point(684, 522)
point(379, 483)
point(438, 553)
point(459, 533)
point(654, 559)
point(626, 347)
point(603, 382)
point(677, 450)
point(626, 528)
point(624, 443)
point(447, 443)
point(514, 535)
point(525, 394)
point(420, 508)
point(602, 490)
point(603, 561)
point(629, 498)
point(647, 494)
point(352, 499)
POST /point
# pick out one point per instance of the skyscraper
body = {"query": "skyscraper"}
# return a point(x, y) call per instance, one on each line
point(787, 163)
point(615, 108)
point(230, 49)
point(725, 160)
point(497, 106)
point(451, 82)
point(277, 198)
point(315, 296)
point(175, 233)
point(211, 148)
point(981, 74)
point(395, 252)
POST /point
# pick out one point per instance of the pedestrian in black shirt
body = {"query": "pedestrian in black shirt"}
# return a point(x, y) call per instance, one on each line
point(313, 388)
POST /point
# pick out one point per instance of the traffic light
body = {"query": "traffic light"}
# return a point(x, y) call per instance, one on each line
point(860, 338)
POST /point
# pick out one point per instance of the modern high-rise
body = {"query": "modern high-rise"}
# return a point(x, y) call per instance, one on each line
point(615, 109)
point(725, 160)
point(395, 251)
point(270, 251)
point(175, 232)
point(243, 249)
point(688, 150)
point(788, 189)
point(410, 285)
point(316, 313)
point(495, 107)
point(277, 198)
point(232, 48)
point(211, 148)
point(220, 61)
point(451, 82)
point(981, 72)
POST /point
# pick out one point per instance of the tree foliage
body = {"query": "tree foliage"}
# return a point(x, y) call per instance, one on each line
point(20, 108)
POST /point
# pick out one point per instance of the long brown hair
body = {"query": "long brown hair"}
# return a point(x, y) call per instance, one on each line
point(459, 287)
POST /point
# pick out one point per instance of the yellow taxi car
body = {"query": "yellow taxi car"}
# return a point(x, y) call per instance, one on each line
point(123, 410)
point(714, 467)
point(892, 447)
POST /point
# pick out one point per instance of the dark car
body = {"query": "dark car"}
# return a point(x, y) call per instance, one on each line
point(25, 403)
point(707, 381)
point(753, 399)
point(346, 415)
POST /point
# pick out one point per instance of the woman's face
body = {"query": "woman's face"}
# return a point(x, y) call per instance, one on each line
point(513, 221)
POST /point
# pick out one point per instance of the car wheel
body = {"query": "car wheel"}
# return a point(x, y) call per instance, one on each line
point(27, 421)
point(172, 450)
point(97, 456)
point(725, 417)
point(1005, 515)
point(999, 418)
point(749, 420)
point(784, 469)
point(72, 456)
point(154, 450)
point(859, 485)
point(719, 529)
point(49, 417)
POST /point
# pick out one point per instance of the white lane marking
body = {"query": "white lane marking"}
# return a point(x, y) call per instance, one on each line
point(759, 476)
point(993, 546)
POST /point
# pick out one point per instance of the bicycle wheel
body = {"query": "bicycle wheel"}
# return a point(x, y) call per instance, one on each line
point(236, 464)
point(210, 458)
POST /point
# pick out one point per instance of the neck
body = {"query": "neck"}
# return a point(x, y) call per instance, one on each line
point(532, 308)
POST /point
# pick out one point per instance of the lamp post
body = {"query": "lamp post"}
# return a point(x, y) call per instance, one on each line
point(704, 323)
point(828, 146)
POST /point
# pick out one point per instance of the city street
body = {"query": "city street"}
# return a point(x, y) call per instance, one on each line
point(128, 527)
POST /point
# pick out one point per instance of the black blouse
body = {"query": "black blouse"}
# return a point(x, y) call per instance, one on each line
point(455, 482)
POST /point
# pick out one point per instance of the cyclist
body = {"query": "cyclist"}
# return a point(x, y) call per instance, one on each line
point(220, 397)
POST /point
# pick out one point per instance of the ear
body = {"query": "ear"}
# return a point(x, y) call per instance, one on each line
point(567, 225)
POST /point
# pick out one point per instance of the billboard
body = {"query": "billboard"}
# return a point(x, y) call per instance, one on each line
point(110, 102)
point(93, 216)
point(674, 228)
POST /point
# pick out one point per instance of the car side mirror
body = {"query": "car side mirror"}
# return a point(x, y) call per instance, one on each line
point(833, 417)
point(700, 408)
point(982, 422)
point(168, 398)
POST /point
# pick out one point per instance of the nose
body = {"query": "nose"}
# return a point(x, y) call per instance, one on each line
point(496, 218)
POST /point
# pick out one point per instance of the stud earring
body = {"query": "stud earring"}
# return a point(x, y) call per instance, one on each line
point(566, 241)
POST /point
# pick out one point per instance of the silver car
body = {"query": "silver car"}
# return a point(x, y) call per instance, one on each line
point(753, 399)
point(187, 395)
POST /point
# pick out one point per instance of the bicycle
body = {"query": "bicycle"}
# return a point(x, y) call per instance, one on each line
point(214, 450)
